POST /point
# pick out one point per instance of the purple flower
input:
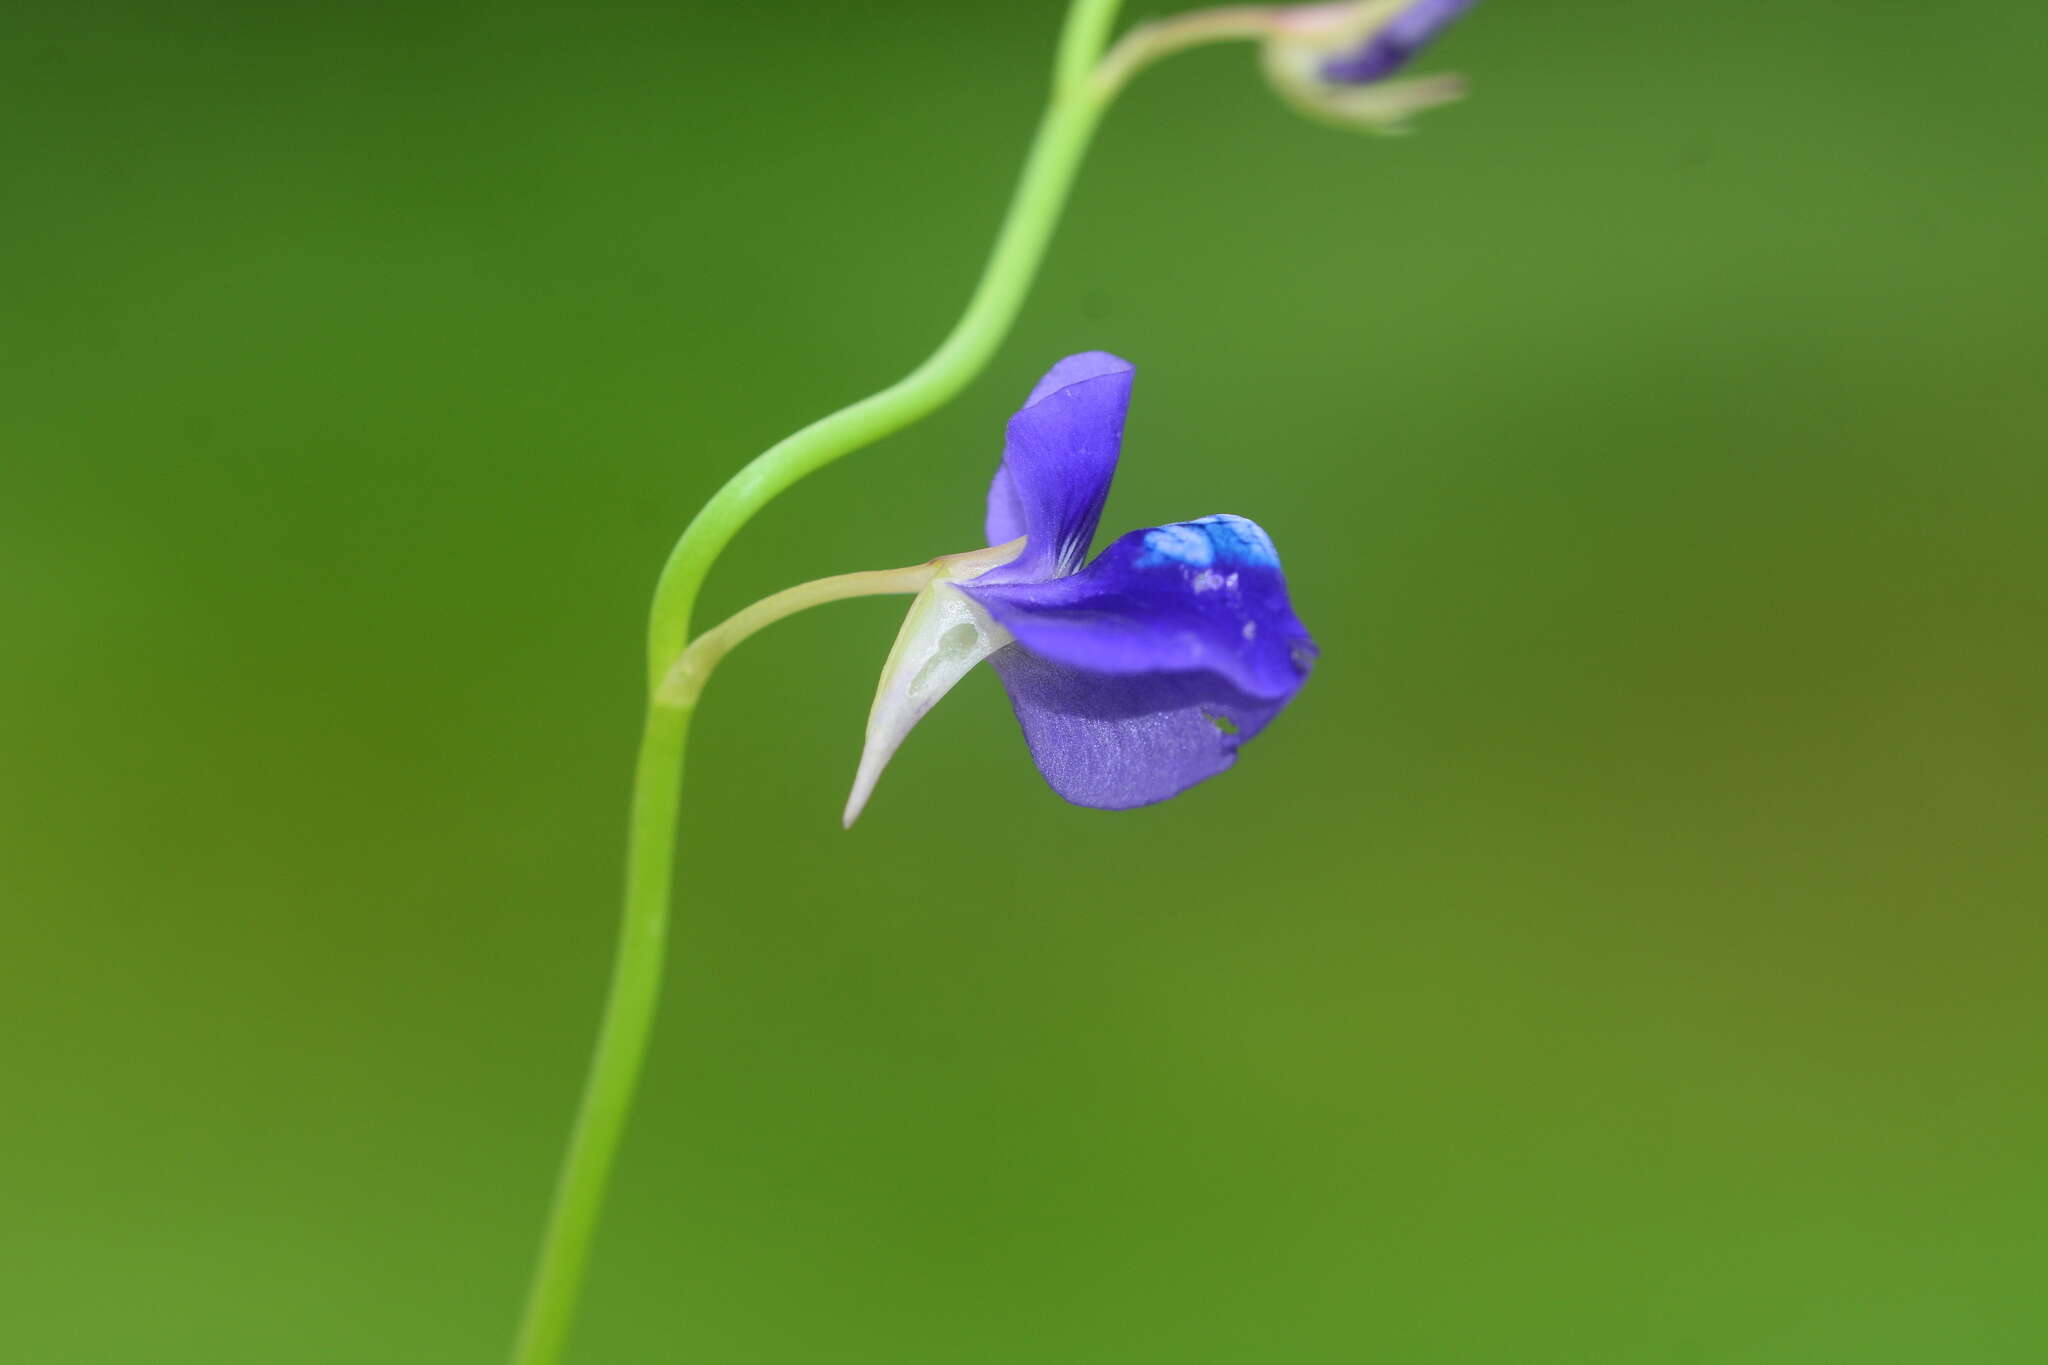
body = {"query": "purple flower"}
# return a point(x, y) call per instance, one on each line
point(1394, 44)
point(1134, 677)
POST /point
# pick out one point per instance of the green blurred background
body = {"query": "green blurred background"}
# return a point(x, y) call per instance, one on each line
point(1630, 948)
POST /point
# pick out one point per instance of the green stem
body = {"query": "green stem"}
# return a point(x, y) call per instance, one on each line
point(1062, 138)
point(621, 1043)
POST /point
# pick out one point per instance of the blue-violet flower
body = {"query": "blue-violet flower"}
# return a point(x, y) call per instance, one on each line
point(1134, 677)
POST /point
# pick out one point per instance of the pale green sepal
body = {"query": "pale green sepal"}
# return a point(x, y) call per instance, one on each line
point(1384, 107)
point(944, 635)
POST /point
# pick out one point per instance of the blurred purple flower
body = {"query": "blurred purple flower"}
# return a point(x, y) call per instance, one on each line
point(1134, 677)
point(1395, 44)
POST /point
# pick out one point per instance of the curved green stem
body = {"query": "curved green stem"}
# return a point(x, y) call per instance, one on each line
point(1062, 139)
point(1063, 135)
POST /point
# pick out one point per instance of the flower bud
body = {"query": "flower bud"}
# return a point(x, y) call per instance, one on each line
point(1333, 62)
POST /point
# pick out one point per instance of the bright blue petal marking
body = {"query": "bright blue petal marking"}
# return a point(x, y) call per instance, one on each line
point(1205, 541)
point(1239, 541)
point(1180, 543)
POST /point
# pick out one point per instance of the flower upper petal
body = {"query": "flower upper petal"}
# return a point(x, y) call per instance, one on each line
point(1142, 674)
point(1059, 455)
